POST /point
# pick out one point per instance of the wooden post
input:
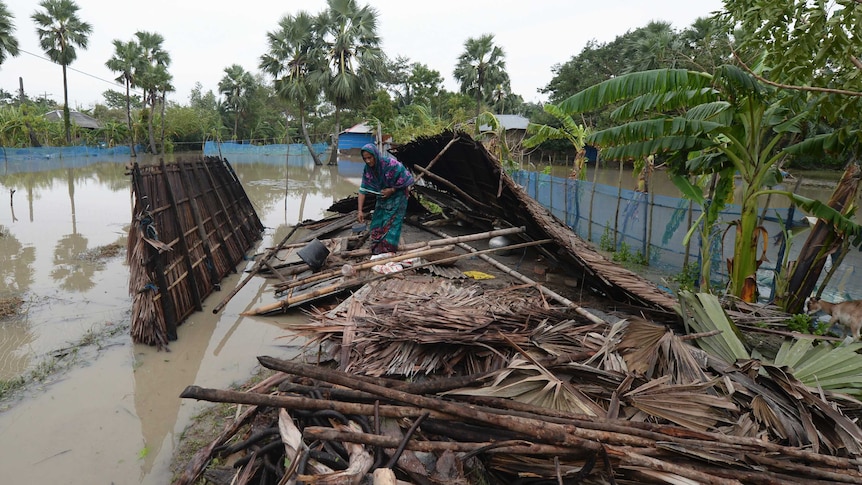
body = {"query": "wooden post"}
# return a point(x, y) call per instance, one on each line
point(617, 212)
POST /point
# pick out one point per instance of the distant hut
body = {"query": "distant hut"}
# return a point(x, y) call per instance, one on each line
point(355, 137)
point(76, 117)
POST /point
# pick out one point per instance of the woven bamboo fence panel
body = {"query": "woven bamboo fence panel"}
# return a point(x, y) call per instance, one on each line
point(193, 223)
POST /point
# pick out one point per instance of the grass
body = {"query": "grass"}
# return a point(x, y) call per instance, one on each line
point(59, 361)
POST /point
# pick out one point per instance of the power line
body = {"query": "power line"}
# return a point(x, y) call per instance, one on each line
point(111, 82)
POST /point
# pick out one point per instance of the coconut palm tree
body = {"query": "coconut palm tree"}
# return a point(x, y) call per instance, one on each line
point(291, 62)
point(351, 48)
point(723, 123)
point(126, 61)
point(152, 76)
point(480, 67)
point(235, 86)
point(60, 31)
point(8, 43)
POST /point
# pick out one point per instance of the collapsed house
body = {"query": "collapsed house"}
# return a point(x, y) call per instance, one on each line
point(429, 376)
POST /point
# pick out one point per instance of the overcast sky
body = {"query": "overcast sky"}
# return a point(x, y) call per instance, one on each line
point(204, 37)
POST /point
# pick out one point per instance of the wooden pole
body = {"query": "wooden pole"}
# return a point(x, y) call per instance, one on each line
point(369, 264)
point(439, 242)
point(452, 187)
point(427, 168)
point(257, 265)
point(546, 291)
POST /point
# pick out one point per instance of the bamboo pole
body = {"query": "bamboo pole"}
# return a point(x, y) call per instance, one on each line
point(439, 242)
point(543, 289)
point(592, 197)
point(452, 187)
point(257, 265)
point(366, 265)
point(427, 169)
point(617, 212)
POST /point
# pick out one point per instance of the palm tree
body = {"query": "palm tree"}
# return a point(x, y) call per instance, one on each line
point(481, 67)
point(352, 49)
point(126, 61)
point(722, 124)
point(291, 62)
point(235, 86)
point(60, 31)
point(152, 76)
point(652, 47)
point(8, 44)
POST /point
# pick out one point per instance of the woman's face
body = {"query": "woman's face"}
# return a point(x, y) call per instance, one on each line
point(369, 159)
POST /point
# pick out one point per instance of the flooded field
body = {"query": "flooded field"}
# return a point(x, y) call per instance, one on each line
point(101, 409)
point(97, 408)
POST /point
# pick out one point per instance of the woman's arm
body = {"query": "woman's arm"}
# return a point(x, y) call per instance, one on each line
point(361, 216)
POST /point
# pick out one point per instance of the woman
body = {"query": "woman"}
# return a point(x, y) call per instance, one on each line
point(387, 178)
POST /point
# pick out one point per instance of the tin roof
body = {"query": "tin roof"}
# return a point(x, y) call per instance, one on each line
point(80, 119)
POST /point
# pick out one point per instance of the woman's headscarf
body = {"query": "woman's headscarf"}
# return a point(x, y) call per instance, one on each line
point(387, 172)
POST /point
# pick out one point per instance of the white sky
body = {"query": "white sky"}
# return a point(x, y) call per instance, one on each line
point(205, 37)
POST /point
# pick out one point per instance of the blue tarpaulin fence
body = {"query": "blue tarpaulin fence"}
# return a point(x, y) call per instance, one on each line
point(652, 225)
point(225, 148)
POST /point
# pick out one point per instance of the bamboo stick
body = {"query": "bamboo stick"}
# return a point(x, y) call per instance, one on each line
point(366, 265)
point(545, 290)
point(427, 169)
point(257, 265)
point(452, 187)
point(440, 242)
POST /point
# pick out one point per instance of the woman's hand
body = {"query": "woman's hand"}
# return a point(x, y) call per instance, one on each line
point(360, 216)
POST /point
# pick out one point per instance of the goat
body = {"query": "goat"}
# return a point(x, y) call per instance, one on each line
point(846, 313)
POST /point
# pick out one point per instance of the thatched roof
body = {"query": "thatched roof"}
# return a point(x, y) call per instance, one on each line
point(80, 119)
point(476, 174)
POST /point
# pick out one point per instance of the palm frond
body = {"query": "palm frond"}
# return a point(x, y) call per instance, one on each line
point(704, 313)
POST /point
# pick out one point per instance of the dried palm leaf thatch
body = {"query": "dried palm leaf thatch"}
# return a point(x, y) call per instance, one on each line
point(528, 382)
point(417, 326)
point(702, 410)
point(653, 350)
point(148, 322)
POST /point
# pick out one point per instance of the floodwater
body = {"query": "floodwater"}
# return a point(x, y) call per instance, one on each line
point(111, 412)
point(108, 411)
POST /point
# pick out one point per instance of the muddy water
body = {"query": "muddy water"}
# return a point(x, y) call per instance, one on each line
point(104, 410)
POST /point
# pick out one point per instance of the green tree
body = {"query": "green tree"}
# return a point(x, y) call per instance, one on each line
point(236, 87)
point(480, 67)
point(722, 123)
point(293, 62)
point(60, 32)
point(654, 46)
point(8, 43)
point(348, 36)
point(126, 61)
point(151, 75)
point(425, 83)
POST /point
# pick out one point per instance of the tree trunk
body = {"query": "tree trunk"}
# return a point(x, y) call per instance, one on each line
point(129, 119)
point(821, 242)
point(152, 134)
point(66, 121)
point(333, 157)
point(305, 137)
point(164, 105)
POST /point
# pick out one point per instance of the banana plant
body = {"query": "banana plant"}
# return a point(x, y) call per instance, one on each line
point(723, 123)
point(569, 130)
